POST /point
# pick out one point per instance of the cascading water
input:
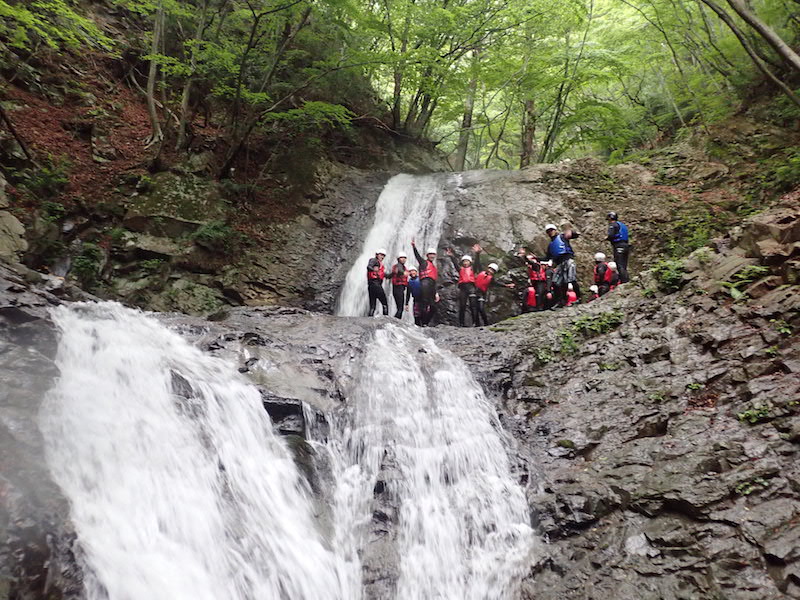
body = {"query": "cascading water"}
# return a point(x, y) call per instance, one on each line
point(408, 207)
point(179, 488)
point(463, 520)
point(463, 523)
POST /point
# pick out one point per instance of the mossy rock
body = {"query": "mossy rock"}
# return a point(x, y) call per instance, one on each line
point(175, 205)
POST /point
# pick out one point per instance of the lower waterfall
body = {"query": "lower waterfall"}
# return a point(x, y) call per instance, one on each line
point(179, 488)
point(462, 519)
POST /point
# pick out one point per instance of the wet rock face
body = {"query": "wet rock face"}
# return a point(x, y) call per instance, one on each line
point(36, 554)
point(502, 210)
point(664, 450)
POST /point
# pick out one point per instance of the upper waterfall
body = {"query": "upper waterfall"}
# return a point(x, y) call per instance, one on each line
point(410, 206)
point(179, 488)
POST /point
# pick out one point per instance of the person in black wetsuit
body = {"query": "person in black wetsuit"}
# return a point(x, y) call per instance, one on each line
point(428, 274)
point(560, 252)
point(483, 280)
point(466, 284)
point(619, 238)
point(376, 273)
point(400, 291)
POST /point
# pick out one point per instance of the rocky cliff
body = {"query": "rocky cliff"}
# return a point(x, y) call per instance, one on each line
point(657, 433)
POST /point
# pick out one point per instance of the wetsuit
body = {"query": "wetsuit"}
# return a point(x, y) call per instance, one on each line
point(375, 276)
point(560, 252)
point(400, 290)
point(415, 289)
point(428, 274)
point(618, 236)
point(466, 290)
point(602, 278)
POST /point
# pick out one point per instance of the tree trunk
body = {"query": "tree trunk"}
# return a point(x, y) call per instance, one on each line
point(765, 31)
point(528, 133)
point(156, 134)
point(466, 126)
point(726, 18)
point(183, 124)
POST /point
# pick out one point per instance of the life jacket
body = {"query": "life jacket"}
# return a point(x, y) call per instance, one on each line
point(622, 234)
point(466, 275)
point(376, 275)
point(559, 246)
point(415, 285)
point(430, 271)
point(530, 299)
point(606, 275)
point(571, 297)
point(398, 278)
point(483, 280)
point(535, 275)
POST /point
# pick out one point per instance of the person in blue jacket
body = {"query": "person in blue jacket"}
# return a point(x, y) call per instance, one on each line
point(415, 290)
point(559, 250)
point(618, 236)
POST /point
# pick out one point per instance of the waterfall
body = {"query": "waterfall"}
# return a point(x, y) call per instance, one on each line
point(409, 207)
point(417, 420)
point(179, 488)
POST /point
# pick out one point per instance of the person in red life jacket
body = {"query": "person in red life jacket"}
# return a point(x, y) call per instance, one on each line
point(594, 295)
point(560, 251)
point(466, 284)
point(550, 295)
point(602, 274)
point(616, 279)
point(537, 276)
point(483, 281)
point(400, 291)
point(414, 290)
point(428, 274)
point(376, 273)
point(572, 297)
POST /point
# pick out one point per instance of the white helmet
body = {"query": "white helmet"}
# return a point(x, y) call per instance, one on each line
point(466, 257)
point(599, 257)
point(412, 268)
point(431, 251)
point(402, 255)
point(381, 251)
point(612, 265)
point(549, 263)
point(550, 226)
point(594, 288)
point(569, 286)
point(494, 267)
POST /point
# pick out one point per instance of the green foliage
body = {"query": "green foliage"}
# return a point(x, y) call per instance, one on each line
point(781, 326)
point(609, 366)
point(744, 278)
point(313, 115)
point(772, 351)
point(86, 265)
point(748, 487)
point(587, 326)
point(657, 396)
point(694, 387)
point(669, 274)
point(153, 264)
point(569, 444)
point(544, 355)
point(53, 211)
point(216, 236)
point(754, 415)
point(53, 22)
point(49, 180)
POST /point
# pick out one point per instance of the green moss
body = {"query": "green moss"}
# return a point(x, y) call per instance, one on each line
point(566, 444)
point(216, 236)
point(86, 265)
point(587, 326)
point(757, 414)
point(754, 485)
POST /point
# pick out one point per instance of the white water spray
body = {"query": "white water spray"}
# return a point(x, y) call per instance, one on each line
point(463, 520)
point(408, 207)
point(179, 488)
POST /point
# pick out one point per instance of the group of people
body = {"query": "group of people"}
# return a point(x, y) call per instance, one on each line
point(552, 281)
